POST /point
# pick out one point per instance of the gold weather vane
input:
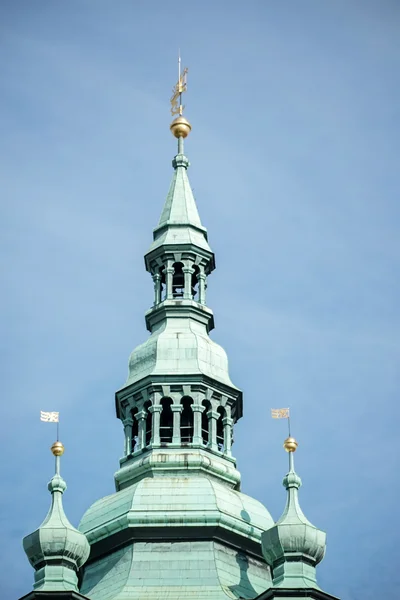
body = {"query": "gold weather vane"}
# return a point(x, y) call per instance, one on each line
point(179, 88)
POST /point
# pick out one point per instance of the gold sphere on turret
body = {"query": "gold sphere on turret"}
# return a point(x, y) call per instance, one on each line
point(290, 444)
point(180, 127)
point(57, 449)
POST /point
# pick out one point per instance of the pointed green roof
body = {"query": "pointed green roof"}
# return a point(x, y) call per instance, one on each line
point(293, 546)
point(180, 206)
point(180, 223)
point(56, 550)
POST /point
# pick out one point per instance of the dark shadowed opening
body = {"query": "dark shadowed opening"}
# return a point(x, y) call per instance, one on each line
point(186, 421)
point(204, 421)
point(148, 422)
point(220, 429)
point(135, 432)
point(166, 421)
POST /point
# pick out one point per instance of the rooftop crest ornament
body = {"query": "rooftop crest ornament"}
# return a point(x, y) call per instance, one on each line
point(180, 126)
point(177, 91)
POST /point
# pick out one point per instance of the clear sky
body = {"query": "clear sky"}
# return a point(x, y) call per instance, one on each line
point(295, 168)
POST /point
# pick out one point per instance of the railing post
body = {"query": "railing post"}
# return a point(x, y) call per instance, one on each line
point(187, 290)
point(169, 280)
point(212, 416)
point(227, 423)
point(201, 278)
point(155, 426)
point(141, 419)
point(157, 288)
point(128, 423)
point(197, 411)
point(176, 423)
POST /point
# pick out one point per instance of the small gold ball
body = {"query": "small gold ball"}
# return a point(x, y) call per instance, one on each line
point(57, 449)
point(180, 127)
point(290, 444)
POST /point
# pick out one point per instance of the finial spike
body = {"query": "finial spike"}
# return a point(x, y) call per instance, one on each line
point(180, 127)
point(176, 99)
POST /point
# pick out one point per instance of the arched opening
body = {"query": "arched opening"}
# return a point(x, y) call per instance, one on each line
point(178, 281)
point(135, 432)
point(220, 428)
point(166, 421)
point(163, 287)
point(195, 282)
point(149, 420)
point(187, 421)
point(204, 421)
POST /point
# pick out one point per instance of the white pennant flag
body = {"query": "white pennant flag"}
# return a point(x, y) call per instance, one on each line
point(280, 413)
point(49, 417)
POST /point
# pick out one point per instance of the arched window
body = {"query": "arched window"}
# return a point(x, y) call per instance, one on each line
point(186, 421)
point(166, 421)
point(135, 432)
point(220, 428)
point(195, 282)
point(178, 281)
point(149, 420)
point(204, 421)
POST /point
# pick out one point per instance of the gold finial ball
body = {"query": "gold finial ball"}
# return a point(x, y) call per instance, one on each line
point(57, 449)
point(290, 444)
point(180, 127)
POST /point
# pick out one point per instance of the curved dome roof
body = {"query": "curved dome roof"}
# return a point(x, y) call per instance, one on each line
point(176, 501)
point(293, 535)
point(56, 542)
point(179, 346)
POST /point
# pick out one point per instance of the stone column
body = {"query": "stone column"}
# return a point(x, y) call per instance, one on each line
point(187, 290)
point(141, 419)
point(201, 278)
point(169, 279)
point(128, 423)
point(212, 416)
point(197, 435)
point(157, 288)
point(227, 423)
point(155, 425)
point(176, 431)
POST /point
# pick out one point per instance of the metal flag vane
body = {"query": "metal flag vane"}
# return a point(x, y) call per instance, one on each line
point(281, 413)
point(51, 417)
point(176, 99)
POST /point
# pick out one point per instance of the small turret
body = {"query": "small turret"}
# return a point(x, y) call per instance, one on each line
point(293, 546)
point(56, 550)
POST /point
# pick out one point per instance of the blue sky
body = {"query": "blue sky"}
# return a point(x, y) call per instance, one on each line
point(295, 168)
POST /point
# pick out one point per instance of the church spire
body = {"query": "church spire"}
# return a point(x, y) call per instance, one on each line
point(180, 211)
point(56, 550)
point(293, 546)
point(180, 258)
point(180, 227)
point(180, 208)
point(178, 396)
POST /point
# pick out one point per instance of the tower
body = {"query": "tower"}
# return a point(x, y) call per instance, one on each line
point(293, 546)
point(178, 525)
point(56, 550)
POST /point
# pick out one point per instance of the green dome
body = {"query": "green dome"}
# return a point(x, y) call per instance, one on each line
point(179, 346)
point(188, 502)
